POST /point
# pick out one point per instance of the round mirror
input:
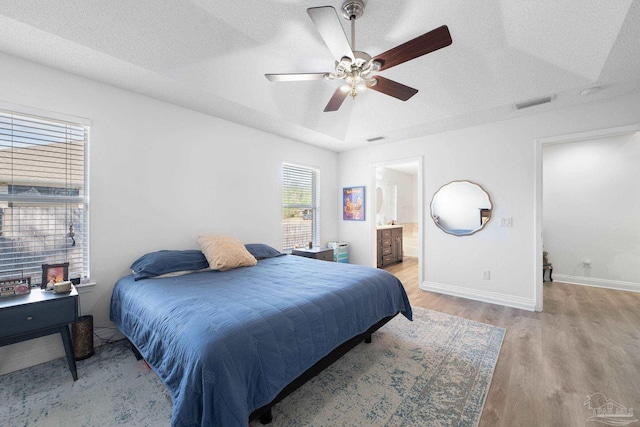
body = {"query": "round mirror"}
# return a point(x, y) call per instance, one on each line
point(461, 208)
point(379, 199)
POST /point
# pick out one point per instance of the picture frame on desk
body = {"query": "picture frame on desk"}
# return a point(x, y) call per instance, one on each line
point(55, 272)
point(15, 286)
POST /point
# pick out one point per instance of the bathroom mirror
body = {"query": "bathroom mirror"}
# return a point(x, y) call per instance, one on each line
point(461, 208)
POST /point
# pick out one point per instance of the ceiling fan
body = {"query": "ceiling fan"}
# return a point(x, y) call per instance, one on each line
point(356, 67)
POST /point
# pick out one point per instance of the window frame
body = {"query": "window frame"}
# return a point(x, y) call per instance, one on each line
point(69, 200)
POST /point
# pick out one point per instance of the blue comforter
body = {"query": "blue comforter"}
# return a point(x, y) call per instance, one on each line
point(226, 343)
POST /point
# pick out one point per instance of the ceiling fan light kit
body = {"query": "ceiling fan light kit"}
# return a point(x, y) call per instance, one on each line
point(356, 67)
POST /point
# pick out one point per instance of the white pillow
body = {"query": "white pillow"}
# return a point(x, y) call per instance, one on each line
point(225, 253)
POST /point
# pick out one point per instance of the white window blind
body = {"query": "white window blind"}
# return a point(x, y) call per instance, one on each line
point(43, 196)
point(300, 206)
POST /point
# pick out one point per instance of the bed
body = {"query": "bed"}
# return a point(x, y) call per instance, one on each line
point(230, 344)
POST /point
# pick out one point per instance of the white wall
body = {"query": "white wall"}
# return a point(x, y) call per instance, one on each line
point(405, 198)
point(407, 206)
point(414, 199)
point(500, 157)
point(592, 210)
point(160, 175)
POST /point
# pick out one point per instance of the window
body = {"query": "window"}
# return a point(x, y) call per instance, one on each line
point(300, 206)
point(43, 196)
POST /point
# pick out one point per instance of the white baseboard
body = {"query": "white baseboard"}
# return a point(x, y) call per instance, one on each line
point(478, 295)
point(29, 353)
point(598, 283)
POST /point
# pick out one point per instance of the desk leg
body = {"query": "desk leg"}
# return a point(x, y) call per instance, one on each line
point(66, 341)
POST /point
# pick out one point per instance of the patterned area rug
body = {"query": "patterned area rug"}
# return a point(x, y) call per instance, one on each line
point(434, 371)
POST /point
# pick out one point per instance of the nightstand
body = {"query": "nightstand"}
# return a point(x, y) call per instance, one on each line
point(37, 314)
point(324, 254)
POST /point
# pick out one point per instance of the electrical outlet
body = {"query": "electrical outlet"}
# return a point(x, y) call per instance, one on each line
point(586, 263)
point(486, 274)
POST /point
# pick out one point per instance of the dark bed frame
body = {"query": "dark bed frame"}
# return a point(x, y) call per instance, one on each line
point(263, 414)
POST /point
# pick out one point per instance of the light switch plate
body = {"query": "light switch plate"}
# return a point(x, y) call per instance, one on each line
point(505, 222)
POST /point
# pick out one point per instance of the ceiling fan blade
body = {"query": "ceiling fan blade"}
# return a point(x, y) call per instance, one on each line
point(421, 45)
point(328, 25)
point(336, 100)
point(295, 77)
point(393, 88)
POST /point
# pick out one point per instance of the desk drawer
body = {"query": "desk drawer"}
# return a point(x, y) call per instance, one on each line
point(325, 256)
point(33, 317)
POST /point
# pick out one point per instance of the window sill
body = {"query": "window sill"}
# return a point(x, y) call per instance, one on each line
point(84, 288)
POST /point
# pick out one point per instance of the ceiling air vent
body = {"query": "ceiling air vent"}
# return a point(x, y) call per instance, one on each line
point(534, 102)
point(377, 138)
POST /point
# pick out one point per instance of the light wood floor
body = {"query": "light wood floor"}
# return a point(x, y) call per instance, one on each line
point(587, 340)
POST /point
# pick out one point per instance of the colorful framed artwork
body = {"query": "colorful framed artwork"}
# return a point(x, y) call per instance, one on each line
point(353, 206)
point(54, 272)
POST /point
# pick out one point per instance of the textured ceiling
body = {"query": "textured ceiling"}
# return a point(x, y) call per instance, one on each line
point(211, 56)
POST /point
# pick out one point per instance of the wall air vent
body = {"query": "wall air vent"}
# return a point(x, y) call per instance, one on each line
point(534, 102)
point(377, 138)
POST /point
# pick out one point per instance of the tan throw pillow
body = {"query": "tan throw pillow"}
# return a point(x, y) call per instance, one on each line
point(225, 253)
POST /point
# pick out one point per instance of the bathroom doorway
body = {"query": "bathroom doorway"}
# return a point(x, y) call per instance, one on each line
point(398, 203)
